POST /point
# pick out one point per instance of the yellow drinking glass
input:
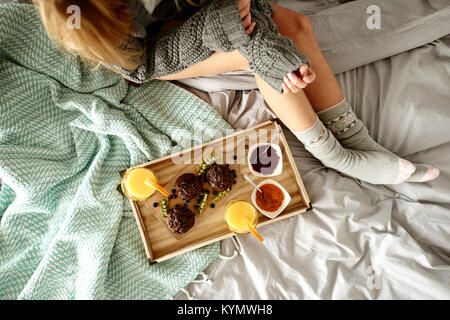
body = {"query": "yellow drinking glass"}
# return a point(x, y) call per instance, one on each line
point(241, 217)
point(138, 183)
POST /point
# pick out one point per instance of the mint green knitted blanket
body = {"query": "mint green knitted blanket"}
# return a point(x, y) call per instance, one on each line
point(66, 131)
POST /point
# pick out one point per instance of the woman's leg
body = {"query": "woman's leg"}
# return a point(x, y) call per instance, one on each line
point(219, 62)
point(298, 115)
point(326, 95)
point(324, 91)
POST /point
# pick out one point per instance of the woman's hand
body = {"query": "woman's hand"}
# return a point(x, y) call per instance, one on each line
point(294, 81)
point(246, 17)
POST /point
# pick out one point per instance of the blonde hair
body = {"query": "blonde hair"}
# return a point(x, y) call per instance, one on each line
point(104, 26)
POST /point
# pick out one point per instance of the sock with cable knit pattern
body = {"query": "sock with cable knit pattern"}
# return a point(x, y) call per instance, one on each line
point(351, 133)
point(371, 166)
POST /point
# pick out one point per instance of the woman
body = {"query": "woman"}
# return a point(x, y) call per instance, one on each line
point(227, 35)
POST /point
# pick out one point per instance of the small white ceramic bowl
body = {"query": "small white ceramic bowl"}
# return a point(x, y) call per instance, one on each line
point(278, 169)
point(284, 204)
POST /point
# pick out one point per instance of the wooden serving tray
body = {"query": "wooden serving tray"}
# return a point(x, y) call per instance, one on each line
point(161, 244)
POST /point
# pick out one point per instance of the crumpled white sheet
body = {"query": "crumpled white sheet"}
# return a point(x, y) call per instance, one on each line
point(360, 241)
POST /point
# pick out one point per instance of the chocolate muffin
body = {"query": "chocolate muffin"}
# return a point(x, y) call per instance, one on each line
point(188, 186)
point(180, 219)
point(219, 177)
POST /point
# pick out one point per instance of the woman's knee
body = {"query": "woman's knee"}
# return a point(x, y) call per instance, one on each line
point(302, 24)
point(290, 23)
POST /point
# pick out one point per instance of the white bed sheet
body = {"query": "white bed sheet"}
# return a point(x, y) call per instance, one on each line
point(360, 241)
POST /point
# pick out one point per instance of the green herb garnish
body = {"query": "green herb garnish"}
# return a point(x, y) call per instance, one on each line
point(202, 205)
point(220, 196)
point(164, 206)
point(206, 162)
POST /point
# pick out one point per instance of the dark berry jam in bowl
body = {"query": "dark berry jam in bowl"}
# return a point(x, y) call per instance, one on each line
point(265, 160)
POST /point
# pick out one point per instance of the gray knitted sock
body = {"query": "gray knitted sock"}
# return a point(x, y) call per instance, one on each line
point(372, 166)
point(351, 133)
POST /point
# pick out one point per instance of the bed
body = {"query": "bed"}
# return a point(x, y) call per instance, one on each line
point(360, 241)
